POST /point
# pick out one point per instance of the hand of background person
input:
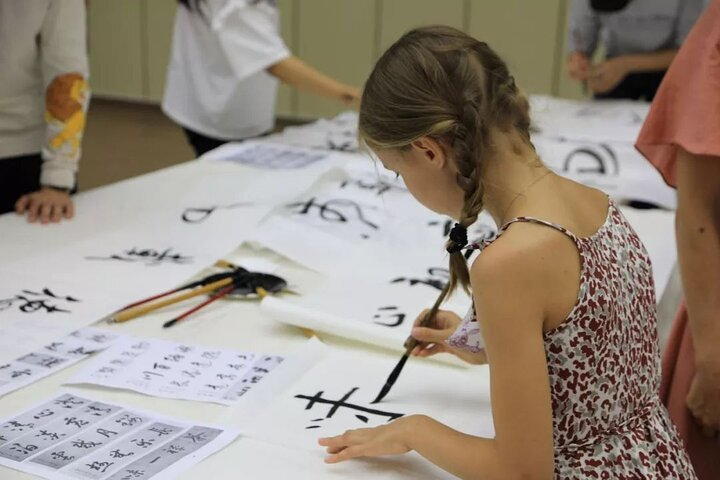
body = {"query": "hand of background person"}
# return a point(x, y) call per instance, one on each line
point(703, 400)
point(434, 337)
point(351, 97)
point(607, 75)
point(47, 205)
point(578, 66)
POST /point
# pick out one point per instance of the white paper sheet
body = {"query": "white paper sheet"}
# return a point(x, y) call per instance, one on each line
point(354, 209)
point(53, 357)
point(72, 436)
point(176, 370)
point(615, 168)
point(656, 229)
point(337, 134)
point(266, 155)
point(39, 308)
point(336, 394)
point(362, 310)
point(587, 120)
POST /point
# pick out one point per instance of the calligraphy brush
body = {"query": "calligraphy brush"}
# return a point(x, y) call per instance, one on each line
point(244, 283)
point(198, 283)
point(217, 296)
point(410, 345)
point(140, 310)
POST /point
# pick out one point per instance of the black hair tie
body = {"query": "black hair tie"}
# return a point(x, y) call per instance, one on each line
point(458, 237)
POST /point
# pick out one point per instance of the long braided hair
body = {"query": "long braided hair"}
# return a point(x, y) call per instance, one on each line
point(440, 82)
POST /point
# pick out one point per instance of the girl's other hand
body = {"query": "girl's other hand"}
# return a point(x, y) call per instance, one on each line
point(433, 338)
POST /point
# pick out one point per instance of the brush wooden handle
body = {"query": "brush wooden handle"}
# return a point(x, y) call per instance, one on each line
point(140, 310)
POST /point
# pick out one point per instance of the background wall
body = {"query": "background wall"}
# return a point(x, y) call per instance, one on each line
point(130, 42)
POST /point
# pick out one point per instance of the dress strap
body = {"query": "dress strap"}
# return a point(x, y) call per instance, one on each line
point(537, 221)
point(481, 244)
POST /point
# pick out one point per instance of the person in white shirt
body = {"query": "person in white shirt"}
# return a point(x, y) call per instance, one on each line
point(227, 59)
point(44, 97)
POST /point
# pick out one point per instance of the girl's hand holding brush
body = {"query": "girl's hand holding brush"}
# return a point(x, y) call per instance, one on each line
point(433, 338)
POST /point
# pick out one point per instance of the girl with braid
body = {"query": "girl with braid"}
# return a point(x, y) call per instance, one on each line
point(563, 301)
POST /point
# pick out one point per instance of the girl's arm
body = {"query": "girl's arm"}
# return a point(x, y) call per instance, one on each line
point(510, 292)
point(299, 74)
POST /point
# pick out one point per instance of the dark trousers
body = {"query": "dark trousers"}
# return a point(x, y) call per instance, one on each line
point(18, 176)
point(636, 86)
point(201, 143)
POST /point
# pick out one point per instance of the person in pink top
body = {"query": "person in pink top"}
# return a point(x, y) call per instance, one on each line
point(681, 137)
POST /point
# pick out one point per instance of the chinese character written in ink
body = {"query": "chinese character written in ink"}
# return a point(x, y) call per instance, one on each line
point(46, 435)
point(83, 444)
point(195, 437)
point(120, 362)
point(107, 370)
point(334, 211)
point(142, 443)
point(184, 348)
point(61, 455)
point(379, 186)
point(437, 278)
point(173, 449)
point(216, 387)
point(69, 402)
point(99, 338)
point(45, 412)
point(148, 375)
point(336, 405)
point(105, 433)
point(192, 374)
point(79, 351)
point(20, 373)
point(200, 214)
point(389, 312)
point(16, 426)
point(54, 346)
point(100, 466)
point(180, 384)
point(118, 454)
point(23, 449)
point(160, 366)
point(98, 411)
point(223, 376)
point(175, 357)
point(128, 420)
point(51, 362)
point(147, 256)
point(201, 364)
point(140, 346)
point(161, 432)
point(236, 366)
point(210, 355)
point(260, 370)
point(30, 302)
point(133, 473)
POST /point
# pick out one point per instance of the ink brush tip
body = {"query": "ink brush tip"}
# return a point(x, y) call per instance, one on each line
point(170, 323)
point(385, 390)
point(392, 378)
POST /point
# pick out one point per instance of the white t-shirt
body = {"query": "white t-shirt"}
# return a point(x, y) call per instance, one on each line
point(217, 83)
